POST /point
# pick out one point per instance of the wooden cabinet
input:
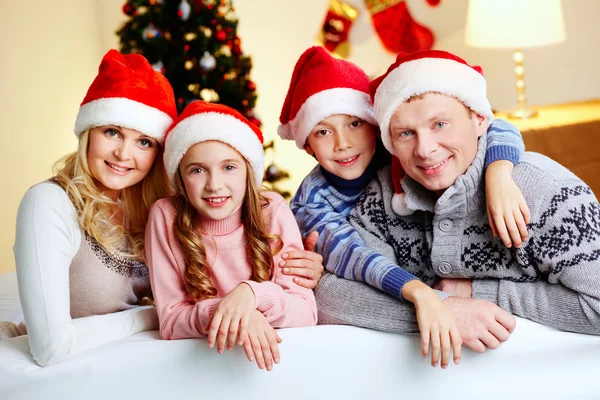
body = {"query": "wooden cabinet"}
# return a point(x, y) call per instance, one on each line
point(569, 134)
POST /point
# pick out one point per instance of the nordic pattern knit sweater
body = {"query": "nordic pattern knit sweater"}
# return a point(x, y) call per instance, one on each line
point(553, 279)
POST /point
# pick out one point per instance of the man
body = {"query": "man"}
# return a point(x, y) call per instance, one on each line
point(433, 111)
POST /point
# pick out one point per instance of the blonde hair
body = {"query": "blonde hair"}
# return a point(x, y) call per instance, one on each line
point(96, 211)
point(259, 250)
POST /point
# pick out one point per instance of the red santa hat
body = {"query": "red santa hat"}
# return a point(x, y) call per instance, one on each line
point(127, 92)
point(427, 71)
point(200, 122)
point(414, 74)
point(323, 86)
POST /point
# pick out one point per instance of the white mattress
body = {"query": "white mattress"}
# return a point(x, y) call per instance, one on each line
point(323, 362)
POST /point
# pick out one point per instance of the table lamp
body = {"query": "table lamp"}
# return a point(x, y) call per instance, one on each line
point(515, 24)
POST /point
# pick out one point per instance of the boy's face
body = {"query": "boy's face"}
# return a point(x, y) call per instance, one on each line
point(435, 138)
point(343, 144)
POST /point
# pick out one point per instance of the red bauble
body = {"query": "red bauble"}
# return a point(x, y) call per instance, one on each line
point(433, 3)
point(128, 9)
point(236, 49)
point(251, 85)
point(221, 36)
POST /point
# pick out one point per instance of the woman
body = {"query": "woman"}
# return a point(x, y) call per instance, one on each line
point(79, 246)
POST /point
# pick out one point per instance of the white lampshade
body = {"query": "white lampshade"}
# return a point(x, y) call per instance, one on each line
point(514, 23)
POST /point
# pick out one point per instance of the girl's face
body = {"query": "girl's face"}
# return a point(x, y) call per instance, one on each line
point(119, 157)
point(214, 176)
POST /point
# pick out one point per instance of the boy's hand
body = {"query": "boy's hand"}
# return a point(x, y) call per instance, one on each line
point(436, 324)
point(506, 207)
point(307, 266)
point(262, 343)
point(230, 320)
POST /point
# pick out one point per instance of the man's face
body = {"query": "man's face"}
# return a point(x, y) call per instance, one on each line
point(435, 138)
point(343, 144)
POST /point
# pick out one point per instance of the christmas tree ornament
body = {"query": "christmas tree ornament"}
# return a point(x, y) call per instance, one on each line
point(209, 95)
point(128, 9)
point(396, 28)
point(206, 31)
point(197, 5)
point(221, 35)
point(230, 16)
point(251, 85)
point(150, 32)
point(158, 66)
point(184, 10)
point(224, 51)
point(188, 65)
point(142, 10)
point(190, 36)
point(207, 62)
point(336, 27)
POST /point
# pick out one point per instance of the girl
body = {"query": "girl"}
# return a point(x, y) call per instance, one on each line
point(212, 248)
point(79, 245)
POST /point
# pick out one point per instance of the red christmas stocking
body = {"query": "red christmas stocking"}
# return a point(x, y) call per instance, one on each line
point(396, 28)
point(334, 33)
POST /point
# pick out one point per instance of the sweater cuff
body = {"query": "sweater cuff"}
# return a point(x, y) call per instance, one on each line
point(502, 152)
point(265, 300)
point(485, 289)
point(394, 281)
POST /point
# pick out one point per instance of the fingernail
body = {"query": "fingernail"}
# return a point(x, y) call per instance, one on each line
point(296, 280)
point(277, 361)
point(281, 263)
point(286, 270)
point(284, 255)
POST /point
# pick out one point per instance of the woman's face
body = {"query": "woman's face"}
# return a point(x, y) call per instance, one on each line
point(119, 157)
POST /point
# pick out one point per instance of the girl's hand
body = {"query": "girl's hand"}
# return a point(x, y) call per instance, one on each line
point(506, 207)
point(436, 324)
point(306, 265)
point(262, 343)
point(230, 320)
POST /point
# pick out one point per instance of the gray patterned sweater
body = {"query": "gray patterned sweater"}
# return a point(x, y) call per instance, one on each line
point(554, 278)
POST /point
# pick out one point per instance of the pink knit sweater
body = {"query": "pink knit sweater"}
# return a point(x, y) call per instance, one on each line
point(284, 303)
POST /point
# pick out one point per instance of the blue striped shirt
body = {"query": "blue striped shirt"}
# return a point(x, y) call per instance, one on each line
point(319, 205)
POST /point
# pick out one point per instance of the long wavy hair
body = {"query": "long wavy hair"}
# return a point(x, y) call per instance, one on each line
point(261, 247)
point(96, 211)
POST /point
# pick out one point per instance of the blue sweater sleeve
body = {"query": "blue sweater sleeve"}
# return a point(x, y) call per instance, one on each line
point(318, 206)
point(504, 142)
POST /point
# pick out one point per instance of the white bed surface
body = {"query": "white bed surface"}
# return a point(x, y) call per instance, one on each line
point(323, 362)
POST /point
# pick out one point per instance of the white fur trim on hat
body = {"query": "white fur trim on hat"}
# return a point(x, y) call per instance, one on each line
point(426, 75)
point(125, 113)
point(325, 104)
point(213, 126)
point(399, 204)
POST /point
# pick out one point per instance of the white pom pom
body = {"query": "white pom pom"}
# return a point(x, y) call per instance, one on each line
point(399, 204)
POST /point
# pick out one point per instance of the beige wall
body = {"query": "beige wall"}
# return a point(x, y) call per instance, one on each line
point(50, 52)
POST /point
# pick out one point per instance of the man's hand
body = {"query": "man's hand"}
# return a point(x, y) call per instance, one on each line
point(306, 266)
point(455, 287)
point(481, 324)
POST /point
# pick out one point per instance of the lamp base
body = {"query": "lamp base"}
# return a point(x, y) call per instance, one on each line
point(522, 113)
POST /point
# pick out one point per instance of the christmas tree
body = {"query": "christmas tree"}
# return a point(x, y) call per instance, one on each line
point(195, 44)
